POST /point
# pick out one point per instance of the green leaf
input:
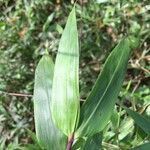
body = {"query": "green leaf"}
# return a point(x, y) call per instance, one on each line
point(94, 142)
point(126, 128)
point(115, 119)
point(30, 147)
point(48, 21)
point(65, 92)
point(79, 144)
point(34, 139)
point(140, 120)
point(96, 111)
point(59, 29)
point(145, 146)
point(48, 135)
point(91, 143)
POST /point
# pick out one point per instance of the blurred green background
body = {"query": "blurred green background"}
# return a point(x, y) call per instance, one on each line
point(28, 27)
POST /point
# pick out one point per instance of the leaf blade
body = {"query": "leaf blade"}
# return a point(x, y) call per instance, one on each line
point(99, 104)
point(144, 146)
point(48, 135)
point(94, 142)
point(65, 105)
point(142, 122)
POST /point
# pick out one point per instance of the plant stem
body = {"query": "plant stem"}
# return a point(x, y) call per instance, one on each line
point(70, 141)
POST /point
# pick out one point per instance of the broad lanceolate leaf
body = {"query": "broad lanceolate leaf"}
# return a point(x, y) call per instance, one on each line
point(140, 120)
point(48, 135)
point(65, 92)
point(96, 111)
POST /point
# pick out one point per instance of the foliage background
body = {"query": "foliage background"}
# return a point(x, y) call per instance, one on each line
point(28, 27)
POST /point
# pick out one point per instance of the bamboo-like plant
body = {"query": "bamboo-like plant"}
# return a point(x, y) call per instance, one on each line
point(60, 122)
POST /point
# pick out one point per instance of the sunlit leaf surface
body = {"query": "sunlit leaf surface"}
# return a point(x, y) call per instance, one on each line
point(65, 92)
point(48, 135)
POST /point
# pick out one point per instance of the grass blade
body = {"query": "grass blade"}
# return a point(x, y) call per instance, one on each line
point(96, 111)
point(142, 122)
point(144, 146)
point(48, 135)
point(65, 93)
point(94, 142)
